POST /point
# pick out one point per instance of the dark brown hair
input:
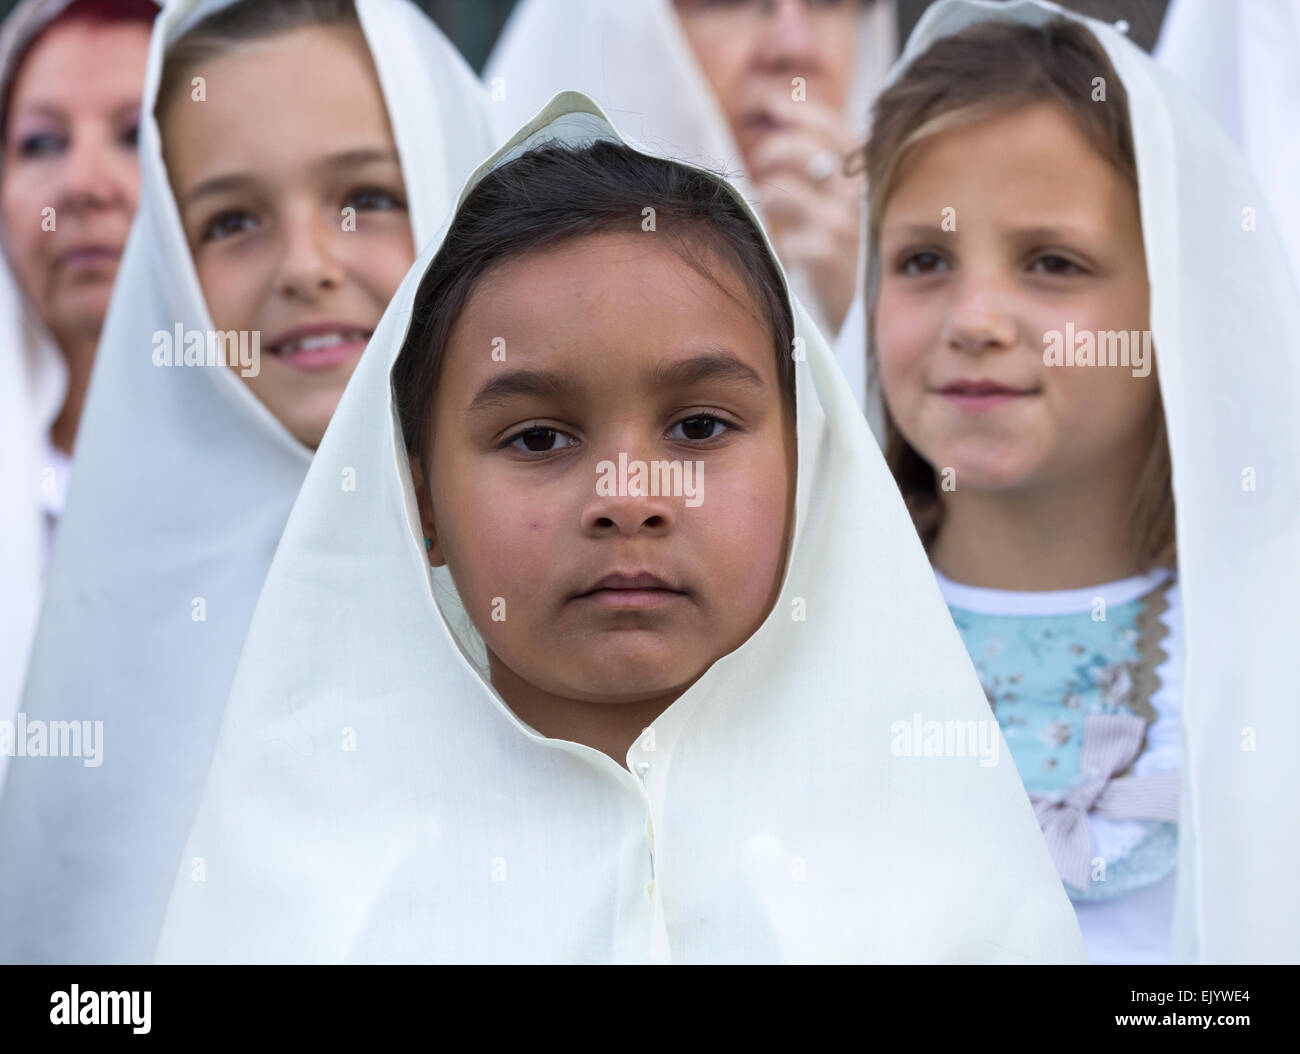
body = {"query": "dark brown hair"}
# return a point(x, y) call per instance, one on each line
point(992, 68)
point(554, 193)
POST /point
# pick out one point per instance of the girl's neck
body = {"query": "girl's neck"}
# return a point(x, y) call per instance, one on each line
point(1071, 536)
point(609, 727)
point(79, 353)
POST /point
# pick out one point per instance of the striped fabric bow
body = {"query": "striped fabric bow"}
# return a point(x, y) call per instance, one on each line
point(1110, 743)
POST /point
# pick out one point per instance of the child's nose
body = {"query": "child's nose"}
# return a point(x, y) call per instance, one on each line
point(980, 320)
point(631, 496)
point(308, 266)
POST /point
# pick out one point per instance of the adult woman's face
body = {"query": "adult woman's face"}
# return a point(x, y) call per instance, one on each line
point(751, 50)
point(782, 72)
point(71, 178)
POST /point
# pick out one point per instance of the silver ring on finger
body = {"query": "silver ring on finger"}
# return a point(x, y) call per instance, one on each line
point(822, 165)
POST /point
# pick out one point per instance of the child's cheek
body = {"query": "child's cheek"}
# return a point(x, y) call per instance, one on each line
point(510, 532)
point(378, 256)
point(740, 527)
point(905, 336)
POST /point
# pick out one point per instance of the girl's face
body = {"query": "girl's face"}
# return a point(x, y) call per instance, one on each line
point(71, 176)
point(1047, 233)
point(295, 213)
point(614, 347)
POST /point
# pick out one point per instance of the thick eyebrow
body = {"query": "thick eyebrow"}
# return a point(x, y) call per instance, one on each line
point(55, 112)
point(1043, 233)
point(1064, 233)
point(547, 383)
point(237, 180)
point(912, 230)
point(719, 365)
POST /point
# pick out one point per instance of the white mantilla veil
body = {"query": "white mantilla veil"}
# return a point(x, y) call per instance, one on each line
point(372, 797)
point(184, 482)
point(1242, 62)
point(1225, 323)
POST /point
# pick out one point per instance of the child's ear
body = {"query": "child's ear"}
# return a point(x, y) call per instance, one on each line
point(425, 503)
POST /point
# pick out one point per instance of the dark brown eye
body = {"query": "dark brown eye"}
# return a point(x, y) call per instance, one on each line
point(922, 263)
point(540, 440)
point(1054, 263)
point(700, 427)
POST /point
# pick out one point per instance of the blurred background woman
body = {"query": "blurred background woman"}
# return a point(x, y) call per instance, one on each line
point(71, 76)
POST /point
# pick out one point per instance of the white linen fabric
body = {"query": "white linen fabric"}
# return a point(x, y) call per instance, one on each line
point(184, 482)
point(769, 819)
point(1225, 321)
point(33, 384)
point(633, 58)
point(1242, 62)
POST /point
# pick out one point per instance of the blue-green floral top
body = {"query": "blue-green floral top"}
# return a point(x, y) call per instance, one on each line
point(1084, 688)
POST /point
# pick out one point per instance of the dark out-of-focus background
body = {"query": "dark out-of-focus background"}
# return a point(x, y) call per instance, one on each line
point(473, 25)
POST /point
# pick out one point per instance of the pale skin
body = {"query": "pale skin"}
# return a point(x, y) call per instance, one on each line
point(70, 146)
point(1048, 232)
point(750, 51)
point(615, 344)
point(297, 222)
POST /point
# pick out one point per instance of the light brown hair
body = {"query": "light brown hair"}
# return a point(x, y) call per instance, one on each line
point(988, 69)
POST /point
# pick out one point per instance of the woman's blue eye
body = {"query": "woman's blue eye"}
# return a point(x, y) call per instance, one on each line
point(374, 198)
point(130, 137)
point(699, 428)
point(42, 144)
point(1055, 264)
point(227, 224)
point(540, 441)
point(922, 263)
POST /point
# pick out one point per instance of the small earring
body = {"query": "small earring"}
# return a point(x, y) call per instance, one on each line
point(428, 544)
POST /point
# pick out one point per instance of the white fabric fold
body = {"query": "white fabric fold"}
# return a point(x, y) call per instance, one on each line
point(184, 481)
point(1242, 62)
point(770, 818)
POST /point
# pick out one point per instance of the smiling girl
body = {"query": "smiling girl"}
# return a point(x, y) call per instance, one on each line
point(292, 156)
point(298, 226)
point(1009, 208)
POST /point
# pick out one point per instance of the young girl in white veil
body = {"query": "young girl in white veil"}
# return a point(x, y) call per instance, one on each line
point(655, 701)
point(293, 155)
point(1086, 335)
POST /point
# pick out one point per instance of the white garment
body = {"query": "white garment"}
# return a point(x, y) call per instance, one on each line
point(184, 482)
point(633, 58)
point(33, 384)
point(55, 474)
point(768, 820)
point(1116, 929)
point(1225, 320)
point(1242, 62)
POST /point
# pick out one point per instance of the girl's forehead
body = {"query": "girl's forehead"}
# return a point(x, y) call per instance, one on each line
point(1030, 161)
point(331, 116)
point(322, 78)
point(607, 307)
